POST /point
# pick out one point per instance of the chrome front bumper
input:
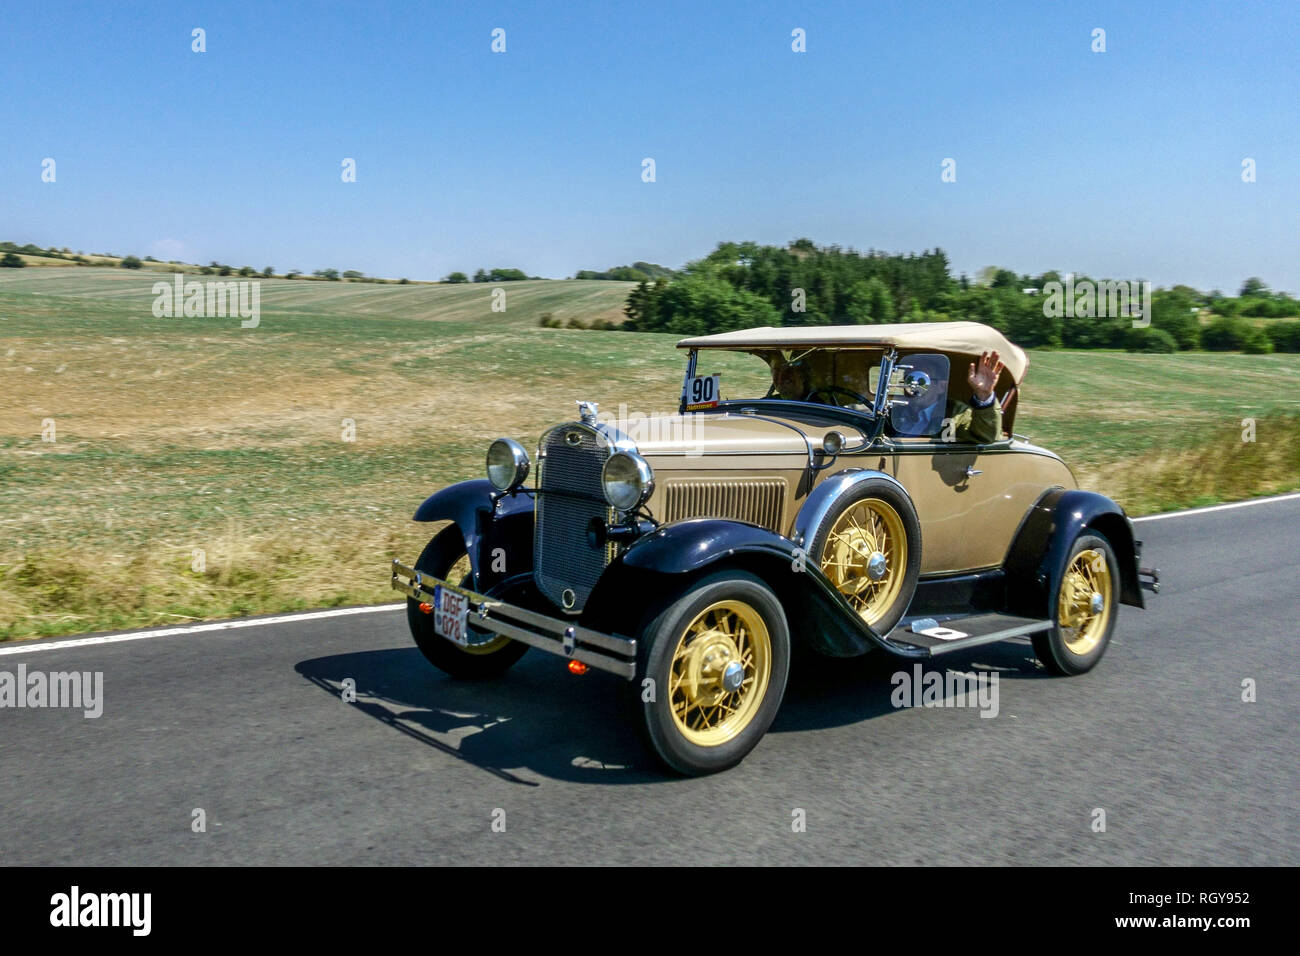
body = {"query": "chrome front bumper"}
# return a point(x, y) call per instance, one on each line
point(605, 652)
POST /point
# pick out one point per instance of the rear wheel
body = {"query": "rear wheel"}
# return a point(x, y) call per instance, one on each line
point(445, 558)
point(1084, 609)
point(713, 667)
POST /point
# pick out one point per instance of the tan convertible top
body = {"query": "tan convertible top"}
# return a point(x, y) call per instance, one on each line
point(957, 338)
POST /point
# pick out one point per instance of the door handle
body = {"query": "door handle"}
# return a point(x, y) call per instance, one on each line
point(972, 471)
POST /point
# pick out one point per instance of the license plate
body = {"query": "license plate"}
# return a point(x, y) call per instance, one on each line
point(450, 614)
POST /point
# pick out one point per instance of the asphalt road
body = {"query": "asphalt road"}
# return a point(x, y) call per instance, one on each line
point(248, 725)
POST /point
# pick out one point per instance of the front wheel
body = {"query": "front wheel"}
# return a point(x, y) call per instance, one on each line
point(445, 558)
point(713, 667)
point(1084, 610)
point(869, 547)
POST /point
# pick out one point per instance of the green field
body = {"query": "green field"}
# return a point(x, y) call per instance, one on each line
point(193, 434)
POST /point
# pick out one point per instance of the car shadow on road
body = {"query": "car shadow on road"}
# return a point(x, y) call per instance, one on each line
point(540, 720)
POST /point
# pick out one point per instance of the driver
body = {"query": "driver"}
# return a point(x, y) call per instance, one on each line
point(791, 382)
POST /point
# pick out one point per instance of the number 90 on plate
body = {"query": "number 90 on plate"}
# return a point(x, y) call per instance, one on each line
point(702, 392)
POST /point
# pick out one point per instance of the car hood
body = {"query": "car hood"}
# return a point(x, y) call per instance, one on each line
point(725, 434)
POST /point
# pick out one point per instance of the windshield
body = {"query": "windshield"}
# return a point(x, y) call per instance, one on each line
point(839, 377)
point(919, 401)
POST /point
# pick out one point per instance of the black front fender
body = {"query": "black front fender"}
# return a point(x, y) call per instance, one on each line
point(1038, 556)
point(658, 567)
point(498, 529)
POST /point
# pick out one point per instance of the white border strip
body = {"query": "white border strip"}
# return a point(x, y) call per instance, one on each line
point(25, 647)
point(1208, 508)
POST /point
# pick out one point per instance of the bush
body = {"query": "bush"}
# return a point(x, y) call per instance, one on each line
point(575, 324)
point(1172, 313)
point(131, 262)
point(11, 261)
point(1285, 336)
point(403, 281)
point(1257, 342)
point(506, 275)
point(1150, 340)
point(549, 321)
point(1227, 334)
point(458, 277)
point(247, 271)
point(1233, 335)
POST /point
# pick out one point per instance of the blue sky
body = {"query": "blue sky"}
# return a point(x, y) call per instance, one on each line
point(1125, 163)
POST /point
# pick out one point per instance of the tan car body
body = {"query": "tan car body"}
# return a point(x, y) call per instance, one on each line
point(721, 465)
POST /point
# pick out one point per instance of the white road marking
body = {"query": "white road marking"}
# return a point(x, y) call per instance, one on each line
point(1209, 508)
point(24, 647)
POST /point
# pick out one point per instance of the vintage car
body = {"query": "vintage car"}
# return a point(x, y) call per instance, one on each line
point(841, 509)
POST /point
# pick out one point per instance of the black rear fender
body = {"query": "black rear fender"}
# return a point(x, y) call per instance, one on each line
point(1038, 556)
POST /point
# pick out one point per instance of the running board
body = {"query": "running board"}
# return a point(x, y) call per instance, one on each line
point(926, 637)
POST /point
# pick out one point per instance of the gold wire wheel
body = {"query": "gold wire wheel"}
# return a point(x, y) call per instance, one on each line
point(865, 557)
point(463, 572)
point(720, 672)
point(1084, 607)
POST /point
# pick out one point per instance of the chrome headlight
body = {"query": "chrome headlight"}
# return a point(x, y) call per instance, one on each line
point(627, 480)
point(507, 464)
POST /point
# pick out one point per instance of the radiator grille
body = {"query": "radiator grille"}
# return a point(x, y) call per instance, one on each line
point(759, 501)
point(570, 495)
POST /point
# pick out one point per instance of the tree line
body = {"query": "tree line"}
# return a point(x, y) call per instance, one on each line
point(744, 285)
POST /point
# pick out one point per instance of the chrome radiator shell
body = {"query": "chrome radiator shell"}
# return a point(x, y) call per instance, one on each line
point(565, 566)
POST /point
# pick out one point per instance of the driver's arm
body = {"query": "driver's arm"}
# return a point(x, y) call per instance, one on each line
point(977, 423)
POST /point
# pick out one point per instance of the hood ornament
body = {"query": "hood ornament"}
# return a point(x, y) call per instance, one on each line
point(587, 412)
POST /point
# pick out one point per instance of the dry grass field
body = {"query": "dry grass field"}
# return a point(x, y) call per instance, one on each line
point(183, 438)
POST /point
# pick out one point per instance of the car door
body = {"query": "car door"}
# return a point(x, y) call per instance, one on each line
point(971, 498)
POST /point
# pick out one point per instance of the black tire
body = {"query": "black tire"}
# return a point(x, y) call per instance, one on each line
point(886, 492)
point(439, 558)
point(1055, 648)
point(682, 747)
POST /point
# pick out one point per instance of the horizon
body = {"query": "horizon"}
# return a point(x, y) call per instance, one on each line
point(470, 278)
